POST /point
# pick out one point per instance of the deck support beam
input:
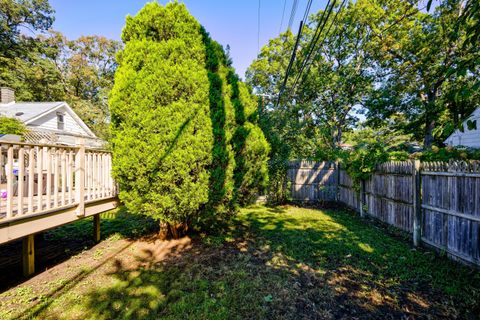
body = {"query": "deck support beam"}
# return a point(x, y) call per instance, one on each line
point(28, 255)
point(96, 228)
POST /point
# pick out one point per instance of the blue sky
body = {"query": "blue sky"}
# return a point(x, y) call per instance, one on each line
point(232, 22)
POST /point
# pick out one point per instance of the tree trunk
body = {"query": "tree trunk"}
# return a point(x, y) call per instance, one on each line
point(428, 142)
point(178, 230)
point(337, 136)
point(430, 118)
point(172, 231)
point(164, 232)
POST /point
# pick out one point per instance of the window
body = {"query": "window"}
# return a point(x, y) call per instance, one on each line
point(60, 121)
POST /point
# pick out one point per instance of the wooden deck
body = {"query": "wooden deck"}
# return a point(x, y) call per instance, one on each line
point(45, 186)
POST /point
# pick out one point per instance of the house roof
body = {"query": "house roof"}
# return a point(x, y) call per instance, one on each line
point(30, 111)
point(26, 111)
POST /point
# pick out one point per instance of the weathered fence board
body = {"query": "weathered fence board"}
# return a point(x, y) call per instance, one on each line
point(347, 193)
point(313, 181)
point(442, 199)
point(389, 194)
point(451, 208)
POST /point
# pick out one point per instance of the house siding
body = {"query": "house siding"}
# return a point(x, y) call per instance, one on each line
point(468, 138)
point(49, 122)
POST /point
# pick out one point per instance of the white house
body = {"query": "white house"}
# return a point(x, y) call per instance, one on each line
point(48, 122)
point(470, 137)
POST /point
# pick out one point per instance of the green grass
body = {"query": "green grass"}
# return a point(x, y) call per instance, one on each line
point(115, 224)
point(280, 263)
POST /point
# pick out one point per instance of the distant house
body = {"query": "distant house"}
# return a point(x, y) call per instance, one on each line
point(470, 137)
point(47, 122)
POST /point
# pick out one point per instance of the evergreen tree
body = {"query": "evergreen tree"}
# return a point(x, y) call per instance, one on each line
point(162, 132)
point(187, 149)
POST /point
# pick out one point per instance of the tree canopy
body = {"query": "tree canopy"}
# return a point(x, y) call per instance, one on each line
point(392, 63)
point(43, 65)
point(186, 147)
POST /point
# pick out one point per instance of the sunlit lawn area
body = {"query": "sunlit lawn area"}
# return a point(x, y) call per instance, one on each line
point(278, 263)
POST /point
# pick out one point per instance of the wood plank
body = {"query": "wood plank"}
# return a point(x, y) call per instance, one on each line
point(21, 179)
point(31, 175)
point(10, 178)
point(49, 164)
point(42, 158)
point(452, 213)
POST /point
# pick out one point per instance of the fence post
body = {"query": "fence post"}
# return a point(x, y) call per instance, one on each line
point(361, 198)
point(417, 203)
point(80, 177)
point(337, 187)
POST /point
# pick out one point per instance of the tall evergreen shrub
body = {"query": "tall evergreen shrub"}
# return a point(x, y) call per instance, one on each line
point(162, 132)
point(187, 149)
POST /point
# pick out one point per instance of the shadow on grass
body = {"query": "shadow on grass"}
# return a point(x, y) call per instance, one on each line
point(287, 263)
point(60, 244)
point(371, 273)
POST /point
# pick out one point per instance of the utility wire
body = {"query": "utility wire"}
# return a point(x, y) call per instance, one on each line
point(283, 15)
point(320, 46)
point(292, 58)
point(318, 32)
point(290, 63)
point(307, 11)
point(292, 13)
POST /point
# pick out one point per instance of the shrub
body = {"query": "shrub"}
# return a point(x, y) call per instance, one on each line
point(240, 151)
point(448, 153)
point(251, 174)
point(186, 145)
point(12, 126)
point(161, 129)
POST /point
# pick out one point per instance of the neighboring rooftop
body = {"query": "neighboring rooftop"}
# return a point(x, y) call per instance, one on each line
point(25, 111)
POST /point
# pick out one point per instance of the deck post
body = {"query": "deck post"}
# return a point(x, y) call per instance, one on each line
point(96, 228)
point(80, 177)
point(28, 255)
point(417, 204)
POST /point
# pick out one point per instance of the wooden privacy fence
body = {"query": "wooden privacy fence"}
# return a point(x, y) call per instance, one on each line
point(313, 181)
point(437, 202)
point(35, 179)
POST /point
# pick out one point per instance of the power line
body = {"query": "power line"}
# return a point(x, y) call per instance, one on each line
point(294, 52)
point(292, 13)
point(292, 58)
point(323, 40)
point(307, 10)
point(283, 15)
point(318, 32)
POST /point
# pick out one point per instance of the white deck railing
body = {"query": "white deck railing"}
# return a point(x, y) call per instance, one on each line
point(35, 178)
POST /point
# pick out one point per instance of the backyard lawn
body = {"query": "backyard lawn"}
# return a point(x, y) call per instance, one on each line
point(278, 263)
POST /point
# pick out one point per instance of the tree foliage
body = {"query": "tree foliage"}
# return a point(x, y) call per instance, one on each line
point(418, 56)
point(186, 146)
point(160, 124)
point(11, 126)
point(43, 65)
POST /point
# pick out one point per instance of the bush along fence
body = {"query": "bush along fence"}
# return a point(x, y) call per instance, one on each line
point(437, 202)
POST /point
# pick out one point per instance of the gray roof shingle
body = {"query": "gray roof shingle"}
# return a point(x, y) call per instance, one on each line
point(24, 111)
